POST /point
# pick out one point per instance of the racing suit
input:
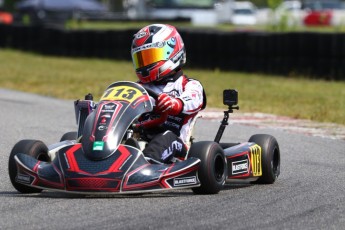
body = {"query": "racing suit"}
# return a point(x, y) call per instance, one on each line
point(170, 139)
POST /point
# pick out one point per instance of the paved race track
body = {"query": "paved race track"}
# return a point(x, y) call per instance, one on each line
point(309, 194)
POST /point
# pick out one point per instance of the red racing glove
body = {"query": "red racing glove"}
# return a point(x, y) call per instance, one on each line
point(172, 106)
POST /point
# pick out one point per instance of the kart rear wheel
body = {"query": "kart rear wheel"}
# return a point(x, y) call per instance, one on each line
point(69, 136)
point(270, 154)
point(212, 171)
point(34, 148)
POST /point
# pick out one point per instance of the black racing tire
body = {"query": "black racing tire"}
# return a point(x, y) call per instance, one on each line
point(69, 136)
point(270, 158)
point(34, 148)
point(213, 169)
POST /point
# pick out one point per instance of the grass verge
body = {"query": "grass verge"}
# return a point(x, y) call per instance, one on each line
point(72, 78)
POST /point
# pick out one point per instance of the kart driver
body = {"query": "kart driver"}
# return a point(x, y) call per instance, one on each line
point(158, 54)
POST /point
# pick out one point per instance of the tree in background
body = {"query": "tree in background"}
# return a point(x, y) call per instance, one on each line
point(260, 3)
point(273, 4)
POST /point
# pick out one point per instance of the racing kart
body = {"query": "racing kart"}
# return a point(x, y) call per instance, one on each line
point(105, 154)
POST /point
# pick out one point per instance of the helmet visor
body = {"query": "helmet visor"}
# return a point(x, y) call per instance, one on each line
point(149, 56)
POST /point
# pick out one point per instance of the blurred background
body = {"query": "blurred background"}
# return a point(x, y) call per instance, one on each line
point(202, 12)
point(285, 57)
point(295, 37)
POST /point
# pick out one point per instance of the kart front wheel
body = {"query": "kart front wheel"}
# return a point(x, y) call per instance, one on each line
point(34, 148)
point(212, 171)
point(270, 157)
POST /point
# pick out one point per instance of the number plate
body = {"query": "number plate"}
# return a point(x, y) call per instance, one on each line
point(124, 93)
point(255, 155)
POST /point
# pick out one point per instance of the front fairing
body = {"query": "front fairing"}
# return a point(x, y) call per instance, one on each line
point(106, 126)
point(100, 163)
point(125, 171)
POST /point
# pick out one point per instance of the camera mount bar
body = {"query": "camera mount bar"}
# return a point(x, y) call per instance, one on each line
point(224, 122)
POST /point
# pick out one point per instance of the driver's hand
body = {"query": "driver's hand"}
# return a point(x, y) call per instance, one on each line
point(170, 105)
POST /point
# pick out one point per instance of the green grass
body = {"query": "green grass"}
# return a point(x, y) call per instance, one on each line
point(72, 78)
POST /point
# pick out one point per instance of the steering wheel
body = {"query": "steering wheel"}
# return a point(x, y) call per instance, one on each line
point(151, 92)
point(155, 122)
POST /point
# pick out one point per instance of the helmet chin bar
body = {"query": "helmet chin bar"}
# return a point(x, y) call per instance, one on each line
point(168, 69)
point(144, 73)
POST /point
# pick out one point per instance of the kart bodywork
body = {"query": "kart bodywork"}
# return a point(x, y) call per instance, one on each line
point(105, 157)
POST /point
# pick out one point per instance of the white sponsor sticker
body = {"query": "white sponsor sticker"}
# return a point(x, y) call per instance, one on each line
point(185, 181)
point(239, 167)
point(23, 178)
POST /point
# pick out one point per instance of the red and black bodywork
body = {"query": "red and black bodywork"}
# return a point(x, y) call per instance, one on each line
point(244, 161)
point(124, 171)
point(99, 162)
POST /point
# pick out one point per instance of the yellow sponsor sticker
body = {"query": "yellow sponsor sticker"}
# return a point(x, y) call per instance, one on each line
point(124, 93)
point(255, 155)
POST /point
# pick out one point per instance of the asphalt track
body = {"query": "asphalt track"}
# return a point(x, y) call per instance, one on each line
point(309, 194)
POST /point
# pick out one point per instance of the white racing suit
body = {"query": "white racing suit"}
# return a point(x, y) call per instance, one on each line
point(170, 139)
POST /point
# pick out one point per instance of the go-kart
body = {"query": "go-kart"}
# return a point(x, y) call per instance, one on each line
point(105, 154)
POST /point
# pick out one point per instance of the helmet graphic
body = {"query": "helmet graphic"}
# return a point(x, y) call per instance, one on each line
point(157, 51)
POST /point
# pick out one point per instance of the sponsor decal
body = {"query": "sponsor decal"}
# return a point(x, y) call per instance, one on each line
point(255, 155)
point(108, 110)
point(23, 178)
point(103, 120)
point(109, 106)
point(148, 46)
point(172, 124)
point(140, 35)
point(186, 98)
point(160, 44)
point(175, 146)
point(185, 181)
point(177, 56)
point(98, 146)
point(239, 167)
point(102, 127)
point(178, 119)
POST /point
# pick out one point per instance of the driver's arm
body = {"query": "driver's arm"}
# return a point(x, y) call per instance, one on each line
point(192, 97)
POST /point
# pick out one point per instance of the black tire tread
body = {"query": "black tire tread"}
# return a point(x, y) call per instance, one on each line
point(204, 151)
point(34, 148)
